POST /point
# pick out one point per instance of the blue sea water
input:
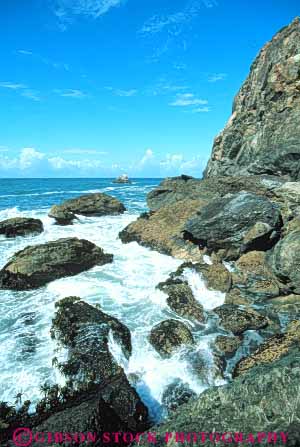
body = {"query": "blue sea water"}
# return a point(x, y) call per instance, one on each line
point(126, 289)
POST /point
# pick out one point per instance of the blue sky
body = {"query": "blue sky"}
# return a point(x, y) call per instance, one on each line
point(94, 88)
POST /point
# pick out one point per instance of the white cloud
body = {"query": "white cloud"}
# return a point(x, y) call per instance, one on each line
point(149, 155)
point(217, 77)
point(66, 10)
point(22, 89)
point(31, 94)
point(29, 156)
point(30, 162)
point(201, 110)
point(12, 85)
point(79, 151)
point(71, 93)
point(187, 99)
point(124, 93)
point(174, 23)
point(25, 52)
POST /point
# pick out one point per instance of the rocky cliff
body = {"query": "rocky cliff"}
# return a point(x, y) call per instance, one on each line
point(263, 133)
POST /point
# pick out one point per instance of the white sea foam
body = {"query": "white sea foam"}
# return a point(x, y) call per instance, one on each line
point(210, 299)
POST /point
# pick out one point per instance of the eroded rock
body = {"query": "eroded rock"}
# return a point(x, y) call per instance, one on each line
point(237, 320)
point(168, 336)
point(224, 224)
point(37, 265)
point(21, 226)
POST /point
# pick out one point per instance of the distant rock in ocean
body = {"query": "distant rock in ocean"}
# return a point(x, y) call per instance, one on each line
point(122, 179)
point(262, 135)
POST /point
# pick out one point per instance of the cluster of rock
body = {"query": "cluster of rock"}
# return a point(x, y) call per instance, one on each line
point(97, 396)
point(246, 211)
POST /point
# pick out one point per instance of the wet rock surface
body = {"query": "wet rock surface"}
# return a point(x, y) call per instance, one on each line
point(271, 350)
point(84, 331)
point(181, 299)
point(227, 346)
point(21, 226)
point(166, 337)
point(237, 320)
point(39, 264)
point(61, 215)
point(177, 394)
point(224, 223)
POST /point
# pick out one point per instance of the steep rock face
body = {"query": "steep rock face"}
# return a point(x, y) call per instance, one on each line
point(262, 135)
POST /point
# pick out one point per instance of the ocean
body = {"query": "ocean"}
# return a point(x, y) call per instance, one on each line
point(126, 289)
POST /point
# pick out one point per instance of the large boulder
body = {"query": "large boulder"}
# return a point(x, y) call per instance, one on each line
point(176, 394)
point(37, 265)
point(61, 215)
point(254, 277)
point(105, 398)
point(288, 197)
point(237, 320)
point(181, 299)
point(96, 204)
point(262, 135)
point(235, 224)
point(168, 336)
point(227, 345)
point(162, 230)
point(271, 350)
point(21, 226)
point(72, 313)
point(285, 260)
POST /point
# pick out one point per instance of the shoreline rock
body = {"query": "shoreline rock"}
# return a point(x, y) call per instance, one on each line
point(36, 265)
point(169, 335)
point(21, 226)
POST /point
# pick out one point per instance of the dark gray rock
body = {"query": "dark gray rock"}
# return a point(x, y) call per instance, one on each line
point(230, 224)
point(169, 335)
point(177, 394)
point(72, 313)
point(181, 299)
point(96, 204)
point(105, 401)
point(62, 215)
point(237, 320)
point(39, 264)
point(21, 226)
point(285, 260)
point(262, 135)
point(227, 346)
